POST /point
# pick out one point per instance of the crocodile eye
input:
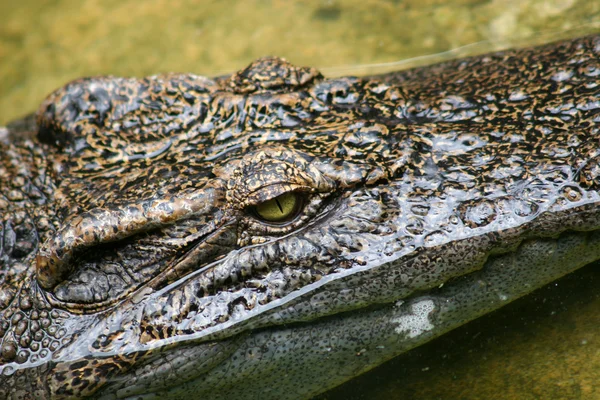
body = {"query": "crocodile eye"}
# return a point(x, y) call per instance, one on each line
point(281, 209)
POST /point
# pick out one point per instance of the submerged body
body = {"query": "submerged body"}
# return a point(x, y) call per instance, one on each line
point(274, 233)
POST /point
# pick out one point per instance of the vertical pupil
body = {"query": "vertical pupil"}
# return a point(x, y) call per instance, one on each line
point(279, 205)
point(279, 208)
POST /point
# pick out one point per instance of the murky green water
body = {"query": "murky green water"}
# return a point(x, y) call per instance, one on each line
point(544, 347)
point(45, 43)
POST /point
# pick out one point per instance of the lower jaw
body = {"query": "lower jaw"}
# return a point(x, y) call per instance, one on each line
point(302, 360)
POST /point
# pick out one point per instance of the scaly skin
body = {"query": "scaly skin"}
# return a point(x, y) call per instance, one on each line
point(134, 262)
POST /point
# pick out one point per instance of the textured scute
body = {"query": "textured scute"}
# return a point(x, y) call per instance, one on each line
point(133, 261)
point(308, 359)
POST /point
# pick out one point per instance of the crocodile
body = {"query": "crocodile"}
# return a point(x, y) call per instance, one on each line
point(273, 233)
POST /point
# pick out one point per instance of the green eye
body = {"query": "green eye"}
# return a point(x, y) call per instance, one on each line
point(280, 209)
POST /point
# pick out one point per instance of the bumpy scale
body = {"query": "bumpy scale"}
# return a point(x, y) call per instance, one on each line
point(149, 227)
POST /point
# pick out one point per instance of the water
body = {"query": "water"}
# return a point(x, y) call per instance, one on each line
point(46, 43)
point(545, 346)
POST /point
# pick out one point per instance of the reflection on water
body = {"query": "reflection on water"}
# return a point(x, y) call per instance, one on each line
point(543, 347)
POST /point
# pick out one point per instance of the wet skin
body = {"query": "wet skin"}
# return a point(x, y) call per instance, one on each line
point(274, 233)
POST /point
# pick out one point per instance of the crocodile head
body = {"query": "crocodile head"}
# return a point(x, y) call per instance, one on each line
point(273, 233)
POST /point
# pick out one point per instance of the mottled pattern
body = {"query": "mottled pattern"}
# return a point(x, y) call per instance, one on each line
point(133, 260)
